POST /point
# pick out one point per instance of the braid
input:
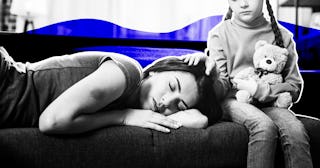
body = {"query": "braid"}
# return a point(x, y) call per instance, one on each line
point(274, 25)
point(229, 14)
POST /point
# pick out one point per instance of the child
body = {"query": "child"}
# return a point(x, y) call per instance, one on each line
point(231, 47)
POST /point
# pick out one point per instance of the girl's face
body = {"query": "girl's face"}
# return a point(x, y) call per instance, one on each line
point(246, 10)
point(169, 92)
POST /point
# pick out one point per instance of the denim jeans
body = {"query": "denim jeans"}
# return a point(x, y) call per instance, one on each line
point(264, 126)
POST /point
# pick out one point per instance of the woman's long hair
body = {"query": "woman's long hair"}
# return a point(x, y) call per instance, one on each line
point(207, 103)
point(274, 24)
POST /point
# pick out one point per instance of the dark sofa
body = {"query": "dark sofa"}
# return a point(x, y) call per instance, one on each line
point(221, 145)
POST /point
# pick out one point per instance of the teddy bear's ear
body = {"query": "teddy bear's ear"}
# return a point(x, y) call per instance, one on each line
point(260, 43)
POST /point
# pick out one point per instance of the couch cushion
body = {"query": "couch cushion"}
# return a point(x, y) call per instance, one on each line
point(111, 147)
point(221, 145)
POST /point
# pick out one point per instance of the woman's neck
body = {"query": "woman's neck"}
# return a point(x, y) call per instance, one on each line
point(257, 22)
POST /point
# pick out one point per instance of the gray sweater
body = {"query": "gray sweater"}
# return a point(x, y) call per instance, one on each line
point(231, 44)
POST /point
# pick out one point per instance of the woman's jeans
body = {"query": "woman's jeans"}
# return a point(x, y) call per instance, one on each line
point(264, 126)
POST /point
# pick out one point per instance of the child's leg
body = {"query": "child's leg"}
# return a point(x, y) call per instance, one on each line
point(294, 138)
point(263, 132)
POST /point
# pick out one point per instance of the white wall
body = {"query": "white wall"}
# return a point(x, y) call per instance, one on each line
point(148, 15)
point(288, 14)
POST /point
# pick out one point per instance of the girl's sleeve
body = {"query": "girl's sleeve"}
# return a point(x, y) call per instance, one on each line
point(222, 83)
point(293, 81)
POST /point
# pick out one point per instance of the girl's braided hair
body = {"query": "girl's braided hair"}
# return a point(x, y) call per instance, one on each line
point(274, 24)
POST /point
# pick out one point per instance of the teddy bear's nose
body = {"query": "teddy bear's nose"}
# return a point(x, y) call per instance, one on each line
point(268, 61)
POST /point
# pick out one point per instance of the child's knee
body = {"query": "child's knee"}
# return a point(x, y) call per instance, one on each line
point(295, 131)
point(263, 127)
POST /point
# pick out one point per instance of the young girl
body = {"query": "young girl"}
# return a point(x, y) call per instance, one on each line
point(231, 47)
point(88, 90)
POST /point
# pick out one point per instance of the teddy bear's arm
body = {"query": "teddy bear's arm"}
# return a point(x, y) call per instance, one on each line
point(272, 78)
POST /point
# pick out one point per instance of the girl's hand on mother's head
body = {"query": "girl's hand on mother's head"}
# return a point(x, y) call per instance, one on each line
point(149, 119)
point(194, 58)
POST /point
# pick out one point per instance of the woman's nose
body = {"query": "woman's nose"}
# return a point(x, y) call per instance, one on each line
point(167, 101)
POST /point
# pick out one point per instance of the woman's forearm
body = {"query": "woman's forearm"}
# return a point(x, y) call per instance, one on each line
point(90, 121)
point(81, 123)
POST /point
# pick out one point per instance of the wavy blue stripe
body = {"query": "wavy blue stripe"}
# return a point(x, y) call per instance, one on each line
point(196, 31)
point(104, 29)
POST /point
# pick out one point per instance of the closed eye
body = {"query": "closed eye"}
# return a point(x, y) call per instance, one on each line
point(181, 104)
point(172, 87)
point(178, 84)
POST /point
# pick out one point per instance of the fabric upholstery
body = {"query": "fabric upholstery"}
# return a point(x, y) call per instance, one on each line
point(221, 145)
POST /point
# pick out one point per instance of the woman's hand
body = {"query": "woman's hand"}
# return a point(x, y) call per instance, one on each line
point(191, 118)
point(149, 119)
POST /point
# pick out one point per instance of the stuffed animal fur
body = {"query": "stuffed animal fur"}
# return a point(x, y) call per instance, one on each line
point(269, 61)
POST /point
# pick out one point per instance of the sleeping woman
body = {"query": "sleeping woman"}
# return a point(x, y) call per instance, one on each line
point(85, 91)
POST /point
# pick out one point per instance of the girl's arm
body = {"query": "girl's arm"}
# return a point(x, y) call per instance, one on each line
point(191, 118)
point(222, 84)
point(77, 109)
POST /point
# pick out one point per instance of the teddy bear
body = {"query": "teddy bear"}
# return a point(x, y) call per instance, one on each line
point(268, 60)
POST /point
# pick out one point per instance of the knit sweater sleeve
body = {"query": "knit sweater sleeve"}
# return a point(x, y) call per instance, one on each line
point(214, 44)
point(293, 81)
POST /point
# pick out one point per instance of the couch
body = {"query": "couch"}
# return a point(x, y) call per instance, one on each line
point(223, 144)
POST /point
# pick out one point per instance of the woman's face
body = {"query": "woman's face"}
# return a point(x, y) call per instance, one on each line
point(168, 92)
point(246, 10)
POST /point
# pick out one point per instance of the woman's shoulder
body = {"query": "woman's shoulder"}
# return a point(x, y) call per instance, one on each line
point(129, 66)
point(97, 58)
point(125, 62)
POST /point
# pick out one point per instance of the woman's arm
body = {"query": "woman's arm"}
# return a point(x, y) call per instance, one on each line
point(75, 109)
point(191, 118)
